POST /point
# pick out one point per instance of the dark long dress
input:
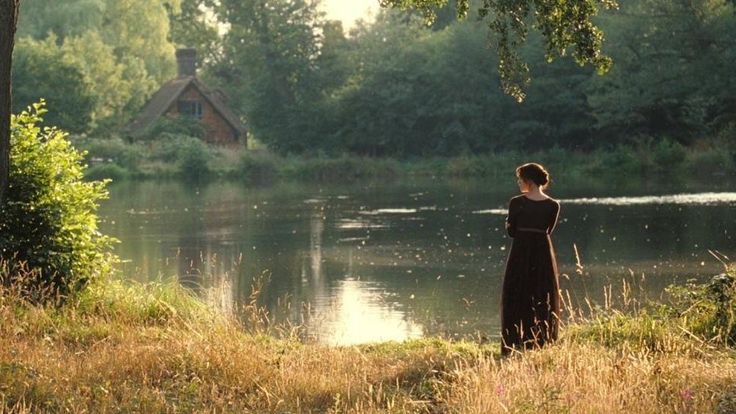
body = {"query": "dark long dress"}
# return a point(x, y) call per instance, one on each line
point(530, 300)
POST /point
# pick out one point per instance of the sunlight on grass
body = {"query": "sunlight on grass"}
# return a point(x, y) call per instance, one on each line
point(128, 347)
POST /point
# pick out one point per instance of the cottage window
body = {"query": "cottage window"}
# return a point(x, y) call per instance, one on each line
point(191, 109)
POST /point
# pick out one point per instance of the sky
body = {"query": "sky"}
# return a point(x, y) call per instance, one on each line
point(349, 10)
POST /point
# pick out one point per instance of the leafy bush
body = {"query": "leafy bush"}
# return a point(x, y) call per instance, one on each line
point(112, 149)
point(182, 126)
point(193, 158)
point(621, 159)
point(257, 169)
point(48, 222)
point(668, 154)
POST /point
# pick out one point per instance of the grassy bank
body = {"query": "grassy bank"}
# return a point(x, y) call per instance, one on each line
point(187, 157)
point(155, 348)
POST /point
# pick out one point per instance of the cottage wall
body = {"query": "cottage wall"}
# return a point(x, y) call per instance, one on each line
point(217, 130)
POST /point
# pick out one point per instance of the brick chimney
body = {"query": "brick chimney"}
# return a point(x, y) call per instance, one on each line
point(186, 60)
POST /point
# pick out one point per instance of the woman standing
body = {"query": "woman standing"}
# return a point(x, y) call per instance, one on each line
point(530, 299)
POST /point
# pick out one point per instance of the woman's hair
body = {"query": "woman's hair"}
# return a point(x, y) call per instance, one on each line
point(535, 173)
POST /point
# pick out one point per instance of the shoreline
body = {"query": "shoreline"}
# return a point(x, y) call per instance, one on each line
point(156, 348)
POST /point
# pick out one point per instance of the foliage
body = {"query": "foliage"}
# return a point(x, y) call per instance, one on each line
point(121, 47)
point(106, 171)
point(48, 222)
point(668, 154)
point(194, 26)
point(273, 44)
point(257, 168)
point(708, 309)
point(111, 150)
point(194, 159)
point(564, 24)
point(396, 87)
point(42, 71)
point(181, 126)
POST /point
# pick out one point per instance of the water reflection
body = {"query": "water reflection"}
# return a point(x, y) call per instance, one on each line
point(694, 199)
point(358, 312)
point(394, 261)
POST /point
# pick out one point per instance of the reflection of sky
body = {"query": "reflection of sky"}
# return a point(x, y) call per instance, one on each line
point(356, 313)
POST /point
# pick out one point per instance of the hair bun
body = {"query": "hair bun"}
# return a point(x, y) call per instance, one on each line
point(535, 173)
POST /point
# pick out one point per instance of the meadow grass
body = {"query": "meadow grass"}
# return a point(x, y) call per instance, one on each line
point(129, 347)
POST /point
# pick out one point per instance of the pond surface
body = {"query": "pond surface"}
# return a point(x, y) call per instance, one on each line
point(390, 261)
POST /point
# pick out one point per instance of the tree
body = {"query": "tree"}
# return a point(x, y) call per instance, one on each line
point(40, 71)
point(195, 26)
point(8, 23)
point(673, 73)
point(565, 24)
point(269, 65)
point(122, 48)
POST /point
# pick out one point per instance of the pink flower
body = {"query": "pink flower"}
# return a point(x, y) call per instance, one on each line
point(500, 390)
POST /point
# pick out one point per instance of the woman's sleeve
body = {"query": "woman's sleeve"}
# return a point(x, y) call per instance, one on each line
point(555, 218)
point(511, 218)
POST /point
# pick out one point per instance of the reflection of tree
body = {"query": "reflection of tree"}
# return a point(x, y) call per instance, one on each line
point(317, 227)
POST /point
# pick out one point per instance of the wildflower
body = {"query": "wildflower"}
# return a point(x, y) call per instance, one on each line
point(500, 391)
point(686, 395)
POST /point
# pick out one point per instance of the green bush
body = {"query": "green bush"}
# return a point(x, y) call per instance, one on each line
point(48, 222)
point(668, 154)
point(114, 150)
point(620, 160)
point(194, 158)
point(257, 168)
point(182, 126)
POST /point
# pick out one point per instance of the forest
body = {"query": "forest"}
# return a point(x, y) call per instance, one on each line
point(397, 86)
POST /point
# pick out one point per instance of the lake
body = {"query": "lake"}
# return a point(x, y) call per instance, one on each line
point(368, 262)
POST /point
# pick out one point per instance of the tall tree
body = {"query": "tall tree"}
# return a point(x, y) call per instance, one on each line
point(269, 63)
point(8, 23)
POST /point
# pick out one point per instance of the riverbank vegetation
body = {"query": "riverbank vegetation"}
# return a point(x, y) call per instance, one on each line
point(128, 347)
point(187, 157)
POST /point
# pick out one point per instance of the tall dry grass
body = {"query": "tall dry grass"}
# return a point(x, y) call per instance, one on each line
point(155, 348)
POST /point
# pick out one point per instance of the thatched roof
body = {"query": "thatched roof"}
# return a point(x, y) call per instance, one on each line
point(163, 100)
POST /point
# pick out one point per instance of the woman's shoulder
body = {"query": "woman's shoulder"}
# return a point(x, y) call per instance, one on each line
point(522, 197)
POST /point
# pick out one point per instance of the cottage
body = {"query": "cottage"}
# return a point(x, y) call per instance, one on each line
point(188, 96)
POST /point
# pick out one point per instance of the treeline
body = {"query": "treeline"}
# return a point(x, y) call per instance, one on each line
point(390, 87)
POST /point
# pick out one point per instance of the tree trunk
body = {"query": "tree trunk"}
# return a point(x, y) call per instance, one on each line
point(8, 22)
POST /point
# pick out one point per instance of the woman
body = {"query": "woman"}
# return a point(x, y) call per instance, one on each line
point(530, 299)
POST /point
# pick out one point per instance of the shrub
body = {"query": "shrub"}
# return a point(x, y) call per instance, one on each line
point(620, 160)
point(112, 149)
point(257, 168)
point(182, 126)
point(668, 154)
point(193, 159)
point(48, 222)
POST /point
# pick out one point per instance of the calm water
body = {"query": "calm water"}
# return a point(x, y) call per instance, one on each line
point(390, 261)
